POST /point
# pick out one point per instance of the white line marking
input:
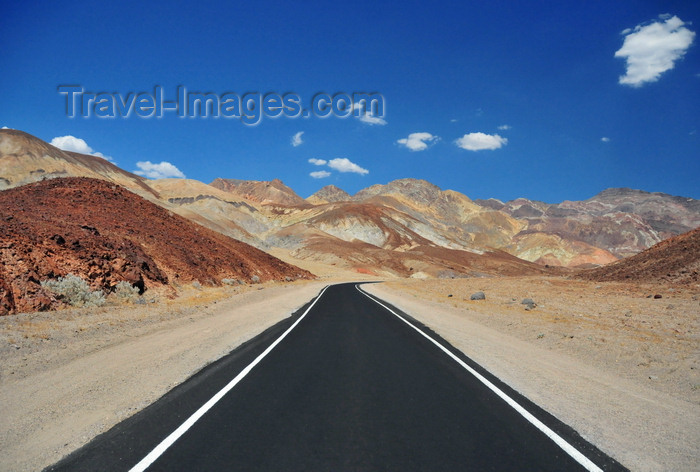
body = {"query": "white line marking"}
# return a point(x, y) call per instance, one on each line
point(561, 442)
point(175, 435)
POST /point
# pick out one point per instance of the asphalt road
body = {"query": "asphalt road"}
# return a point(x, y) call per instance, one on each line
point(351, 387)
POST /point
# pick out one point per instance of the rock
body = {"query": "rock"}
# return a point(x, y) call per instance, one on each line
point(449, 296)
point(255, 279)
point(106, 235)
point(657, 296)
point(478, 296)
point(529, 303)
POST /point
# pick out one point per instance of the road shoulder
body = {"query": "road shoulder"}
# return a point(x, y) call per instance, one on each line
point(642, 428)
point(63, 395)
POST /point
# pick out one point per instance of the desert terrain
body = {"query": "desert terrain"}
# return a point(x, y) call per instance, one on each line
point(618, 366)
point(607, 339)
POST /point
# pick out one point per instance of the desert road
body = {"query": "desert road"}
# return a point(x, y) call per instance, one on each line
point(348, 383)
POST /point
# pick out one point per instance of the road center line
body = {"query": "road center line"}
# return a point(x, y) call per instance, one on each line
point(558, 440)
point(182, 429)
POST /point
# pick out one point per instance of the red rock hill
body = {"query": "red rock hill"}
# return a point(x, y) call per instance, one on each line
point(105, 234)
point(675, 260)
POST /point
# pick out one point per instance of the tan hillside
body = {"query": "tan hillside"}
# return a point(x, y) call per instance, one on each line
point(393, 218)
point(263, 192)
point(25, 159)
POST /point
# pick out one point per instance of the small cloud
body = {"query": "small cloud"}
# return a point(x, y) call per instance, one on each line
point(367, 116)
point(296, 139)
point(418, 141)
point(652, 49)
point(605, 139)
point(504, 127)
point(481, 141)
point(345, 165)
point(4, 127)
point(320, 174)
point(164, 170)
point(73, 144)
point(453, 120)
point(318, 162)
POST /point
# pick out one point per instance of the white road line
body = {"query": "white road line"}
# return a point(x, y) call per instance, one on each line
point(175, 435)
point(561, 442)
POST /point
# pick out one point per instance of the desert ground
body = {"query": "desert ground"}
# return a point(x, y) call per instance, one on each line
point(619, 367)
point(69, 375)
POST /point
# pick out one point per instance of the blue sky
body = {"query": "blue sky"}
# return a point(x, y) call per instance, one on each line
point(535, 85)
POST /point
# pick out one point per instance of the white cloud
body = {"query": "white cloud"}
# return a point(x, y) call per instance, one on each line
point(164, 170)
point(367, 116)
point(481, 141)
point(372, 120)
point(320, 174)
point(4, 127)
point(605, 139)
point(344, 165)
point(73, 144)
point(453, 120)
point(318, 162)
point(504, 127)
point(652, 49)
point(418, 141)
point(296, 139)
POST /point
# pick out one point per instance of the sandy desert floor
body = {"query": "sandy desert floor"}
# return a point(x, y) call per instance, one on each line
point(69, 375)
point(619, 367)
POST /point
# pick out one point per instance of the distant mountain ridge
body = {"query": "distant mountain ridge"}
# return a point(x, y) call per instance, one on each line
point(329, 194)
point(620, 220)
point(402, 227)
point(263, 192)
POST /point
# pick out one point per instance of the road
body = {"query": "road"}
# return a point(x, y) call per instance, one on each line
point(349, 383)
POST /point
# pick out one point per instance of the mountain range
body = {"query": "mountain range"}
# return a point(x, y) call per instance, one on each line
point(407, 227)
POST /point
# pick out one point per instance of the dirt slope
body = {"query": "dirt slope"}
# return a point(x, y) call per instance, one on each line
point(105, 234)
point(675, 260)
point(25, 158)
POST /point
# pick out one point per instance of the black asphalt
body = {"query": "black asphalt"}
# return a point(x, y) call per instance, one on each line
point(351, 388)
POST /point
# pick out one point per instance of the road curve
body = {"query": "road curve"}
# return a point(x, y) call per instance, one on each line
point(349, 383)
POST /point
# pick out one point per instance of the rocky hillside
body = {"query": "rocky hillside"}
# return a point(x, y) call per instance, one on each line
point(675, 260)
point(329, 194)
point(619, 220)
point(105, 234)
point(390, 220)
point(274, 191)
